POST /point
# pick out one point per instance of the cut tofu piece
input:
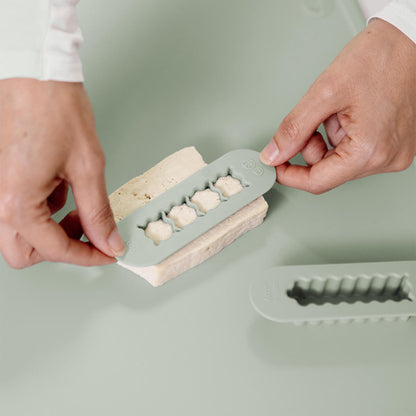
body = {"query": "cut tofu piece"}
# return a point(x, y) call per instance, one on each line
point(154, 182)
point(206, 200)
point(228, 185)
point(182, 215)
point(158, 231)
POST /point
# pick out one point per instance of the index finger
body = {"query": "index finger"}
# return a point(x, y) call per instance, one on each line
point(341, 165)
point(53, 244)
point(319, 103)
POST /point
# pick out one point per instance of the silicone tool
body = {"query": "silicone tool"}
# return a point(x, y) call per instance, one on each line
point(244, 165)
point(337, 293)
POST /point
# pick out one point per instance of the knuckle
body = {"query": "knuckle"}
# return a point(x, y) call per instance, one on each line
point(315, 188)
point(407, 161)
point(314, 185)
point(94, 162)
point(100, 215)
point(59, 253)
point(368, 155)
point(53, 257)
point(18, 261)
point(380, 158)
point(8, 205)
point(327, 92)
point(16, 264)
point(402, 162)
point(318, 184)
point(289, 128)
point(326, 87)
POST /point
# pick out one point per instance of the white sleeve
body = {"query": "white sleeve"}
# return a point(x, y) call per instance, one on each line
point(402, 14)
point(40, 39)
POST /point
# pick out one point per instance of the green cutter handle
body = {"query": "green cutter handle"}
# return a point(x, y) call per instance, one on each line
point(244, 165)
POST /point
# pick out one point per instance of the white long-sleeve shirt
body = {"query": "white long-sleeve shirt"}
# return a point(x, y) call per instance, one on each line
point(400, 13)
point(41, 38)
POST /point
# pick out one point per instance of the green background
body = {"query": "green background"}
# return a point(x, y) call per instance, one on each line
point(219, 75)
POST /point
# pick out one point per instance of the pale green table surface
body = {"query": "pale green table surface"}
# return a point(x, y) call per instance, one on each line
point(220, 75)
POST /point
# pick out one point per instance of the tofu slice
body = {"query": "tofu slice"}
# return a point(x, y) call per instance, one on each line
point(206, 200)
point(182, 215)
point(228, 185)
point(167, 173)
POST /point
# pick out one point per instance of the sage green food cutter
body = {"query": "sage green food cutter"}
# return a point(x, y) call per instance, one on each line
point(332, 293)
point(244, 165)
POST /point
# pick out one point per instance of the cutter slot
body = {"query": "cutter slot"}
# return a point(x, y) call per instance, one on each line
point(337, 293)
point(190, 204)
point(169, 221)
point(365, 289)
point(238, 176)
point(218, 191)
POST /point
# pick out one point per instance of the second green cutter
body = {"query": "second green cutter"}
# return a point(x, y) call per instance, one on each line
point(336, 293)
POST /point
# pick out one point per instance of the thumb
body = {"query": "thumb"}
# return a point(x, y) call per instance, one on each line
point(300, 124)
point(95, 213)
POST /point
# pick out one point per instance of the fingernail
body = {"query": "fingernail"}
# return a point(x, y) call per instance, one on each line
point(269, 153)
point(116, 243)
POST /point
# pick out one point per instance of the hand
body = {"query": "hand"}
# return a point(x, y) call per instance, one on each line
point(367, 101)
point(48, 142)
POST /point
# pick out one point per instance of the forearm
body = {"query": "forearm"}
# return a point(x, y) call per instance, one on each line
point(40, 39)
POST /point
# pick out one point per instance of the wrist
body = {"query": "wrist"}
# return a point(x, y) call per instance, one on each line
point(401, 48)
point(401, 15)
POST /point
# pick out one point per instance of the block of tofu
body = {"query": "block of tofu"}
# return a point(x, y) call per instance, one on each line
point(160, 178)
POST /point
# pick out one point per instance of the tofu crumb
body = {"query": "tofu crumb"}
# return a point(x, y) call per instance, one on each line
point(158, 231)
point(228, 185)
point(182, 215)
point(206, 200)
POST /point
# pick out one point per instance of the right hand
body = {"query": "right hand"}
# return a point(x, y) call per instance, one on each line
point(366, 100)
point(48, 142)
